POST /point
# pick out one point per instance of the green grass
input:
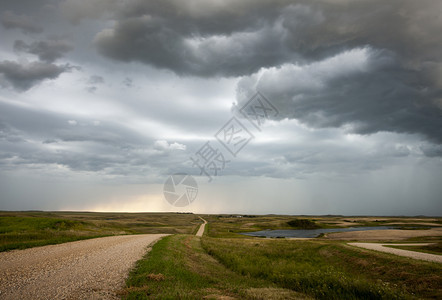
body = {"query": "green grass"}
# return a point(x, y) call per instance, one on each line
point(12, 224)
point(189, 267)
point(20, 230)
point(178, 268)
point(25, 232)
point(328, 270)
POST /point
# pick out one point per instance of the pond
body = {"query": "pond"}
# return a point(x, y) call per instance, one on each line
point(309, 233)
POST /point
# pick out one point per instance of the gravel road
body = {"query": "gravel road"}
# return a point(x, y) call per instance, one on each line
point(89, 269)
point(401, 252)
point(201, 229)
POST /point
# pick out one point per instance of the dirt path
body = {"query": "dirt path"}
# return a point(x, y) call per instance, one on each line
point(89, 269)
point(401, 252)
point(201, 229)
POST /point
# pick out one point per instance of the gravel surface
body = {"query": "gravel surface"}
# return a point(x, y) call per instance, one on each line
point(89, 269)
point(401, 252)
point(201, 229)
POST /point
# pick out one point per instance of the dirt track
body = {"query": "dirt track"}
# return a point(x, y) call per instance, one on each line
point(89, 269)
point(201, 229)
point(401, 252)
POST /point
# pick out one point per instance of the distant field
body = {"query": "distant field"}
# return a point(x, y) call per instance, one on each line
point(20, 230)
point(228, 226)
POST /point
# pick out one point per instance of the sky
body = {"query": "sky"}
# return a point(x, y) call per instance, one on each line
point(283, 107)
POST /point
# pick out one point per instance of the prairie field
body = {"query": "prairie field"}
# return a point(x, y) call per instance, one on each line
point(224, 264)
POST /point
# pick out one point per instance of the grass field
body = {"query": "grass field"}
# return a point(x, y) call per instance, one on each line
point(224, 264)
point(328, 270)
point(20, 230)
point(177, 267)
point(187, 267)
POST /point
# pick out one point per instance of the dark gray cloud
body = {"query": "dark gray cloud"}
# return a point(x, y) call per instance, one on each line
point(166, 74)
point(47, 51)
point(432, 150)
point(230, 38)
point(95, 79)
point(75, 11)
point(25, 23)
point(22, 76)
point(213, 39)
point(128, 82)
point(368, 94)
point(400, 91)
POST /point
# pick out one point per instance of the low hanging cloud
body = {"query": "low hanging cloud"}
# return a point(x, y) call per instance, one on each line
point(25, 23)
point(47, 51)
point(23, 76)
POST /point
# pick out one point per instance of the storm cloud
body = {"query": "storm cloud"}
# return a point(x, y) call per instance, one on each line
point(22, 76)
point(47, 51)
point(23, 22)
point(100, 96)
point(210, 38)
point(398, 88)
point(363, 90)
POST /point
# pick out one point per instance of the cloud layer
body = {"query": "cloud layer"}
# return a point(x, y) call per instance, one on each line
point(25, 23)
point(328, 63)
point(105, 93)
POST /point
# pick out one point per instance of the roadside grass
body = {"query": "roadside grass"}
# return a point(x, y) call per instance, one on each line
point(26, 232)
point(178, 268)
point(20, 230)
point(415, 277)
point(328, 270)
point(435, 248)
